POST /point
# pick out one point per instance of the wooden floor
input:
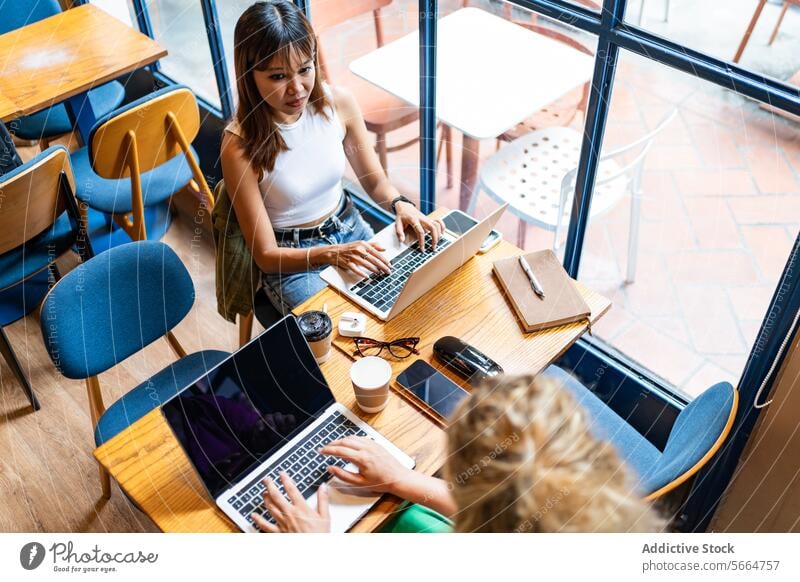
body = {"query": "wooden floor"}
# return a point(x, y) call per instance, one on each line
point(48, 477)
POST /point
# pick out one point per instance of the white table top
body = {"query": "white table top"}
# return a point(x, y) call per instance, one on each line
point(491, 73)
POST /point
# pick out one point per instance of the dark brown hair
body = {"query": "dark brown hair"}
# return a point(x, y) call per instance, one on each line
point(276, 28)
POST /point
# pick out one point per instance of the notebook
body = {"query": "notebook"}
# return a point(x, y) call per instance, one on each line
point(562, 302)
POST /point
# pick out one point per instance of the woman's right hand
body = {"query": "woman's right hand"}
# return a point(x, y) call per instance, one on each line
point(378, 470)
point(360, 257)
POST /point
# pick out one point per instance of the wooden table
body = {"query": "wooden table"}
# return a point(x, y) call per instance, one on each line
point(490, 75)
point(8, 109)
point(63, 56)
point(150, 466)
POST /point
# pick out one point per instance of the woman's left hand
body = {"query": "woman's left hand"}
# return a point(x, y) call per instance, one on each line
point(409, 216)
point(294, 515)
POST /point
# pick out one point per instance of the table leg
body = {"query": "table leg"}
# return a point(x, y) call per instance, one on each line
point(79, 110)
point(469, 169)
point(749, 31)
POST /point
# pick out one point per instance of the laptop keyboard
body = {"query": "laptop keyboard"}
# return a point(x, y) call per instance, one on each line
point(382, 290)
point(307, 468)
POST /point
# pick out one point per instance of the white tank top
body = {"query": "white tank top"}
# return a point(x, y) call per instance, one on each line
point(306, 182)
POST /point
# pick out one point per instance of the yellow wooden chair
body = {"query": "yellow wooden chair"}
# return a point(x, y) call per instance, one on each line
point(139, 156)
point(39, 222)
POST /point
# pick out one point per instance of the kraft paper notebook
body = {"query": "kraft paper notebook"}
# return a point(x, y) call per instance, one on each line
point(562, 302)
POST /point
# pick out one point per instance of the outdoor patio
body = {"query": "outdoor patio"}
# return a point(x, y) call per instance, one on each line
point(721, 204)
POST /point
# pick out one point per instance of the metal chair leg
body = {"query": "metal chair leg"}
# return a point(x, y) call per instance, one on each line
point(13, 363)
point(633, 236)
point(522, 233)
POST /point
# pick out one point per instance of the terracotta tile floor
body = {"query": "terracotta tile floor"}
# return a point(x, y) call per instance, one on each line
point(720, 213)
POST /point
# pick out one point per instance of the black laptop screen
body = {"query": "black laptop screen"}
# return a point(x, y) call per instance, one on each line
point(249, 406)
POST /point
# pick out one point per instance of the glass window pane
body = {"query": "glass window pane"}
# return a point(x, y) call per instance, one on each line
point(718, 211)
point(349, 34)
point(524, 113)
point(719, 29)
point(120, 10)
point(178, 25)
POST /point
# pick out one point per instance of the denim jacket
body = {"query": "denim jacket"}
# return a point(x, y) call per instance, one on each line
point(237, 276)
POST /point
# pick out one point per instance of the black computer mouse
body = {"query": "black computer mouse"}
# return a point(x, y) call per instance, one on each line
point(465, 359)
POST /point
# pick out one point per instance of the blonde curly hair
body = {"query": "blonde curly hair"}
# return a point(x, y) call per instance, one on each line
point(521, 459)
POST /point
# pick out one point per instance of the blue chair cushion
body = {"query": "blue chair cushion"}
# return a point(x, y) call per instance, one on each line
point(9, 158)
point(35, 255)
point(113, 305)
point(154, 392)
point(696, 430)
point(20, 13)
point(606, 425)
point(114, 196)
point(55, 120)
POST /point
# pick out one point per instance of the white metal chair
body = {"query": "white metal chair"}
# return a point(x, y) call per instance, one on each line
point(666, 12)
point(535, 174)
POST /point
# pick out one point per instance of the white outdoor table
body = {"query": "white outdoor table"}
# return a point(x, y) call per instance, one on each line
point(491, 75)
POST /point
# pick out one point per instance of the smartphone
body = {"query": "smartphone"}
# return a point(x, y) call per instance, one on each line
point(425, 384)
point(459, 222)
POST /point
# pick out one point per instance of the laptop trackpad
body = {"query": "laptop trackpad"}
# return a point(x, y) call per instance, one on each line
point(346, 504)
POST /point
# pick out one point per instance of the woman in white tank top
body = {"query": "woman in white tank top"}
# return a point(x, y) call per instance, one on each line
point(284, 156)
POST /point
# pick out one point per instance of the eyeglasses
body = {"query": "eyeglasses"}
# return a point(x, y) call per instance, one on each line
point(399, 348)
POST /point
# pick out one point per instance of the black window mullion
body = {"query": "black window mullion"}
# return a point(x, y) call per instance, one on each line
point(705, 67)
point(605, 65)
point(428, 14)
point(218, 57)
point(571, 14)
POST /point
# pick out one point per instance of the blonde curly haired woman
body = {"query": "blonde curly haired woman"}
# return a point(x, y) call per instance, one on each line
point(520, 458)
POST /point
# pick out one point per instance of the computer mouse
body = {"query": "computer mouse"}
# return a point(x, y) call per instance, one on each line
point(465, 359)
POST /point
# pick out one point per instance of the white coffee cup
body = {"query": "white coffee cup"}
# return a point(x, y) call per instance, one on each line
point(370, 377)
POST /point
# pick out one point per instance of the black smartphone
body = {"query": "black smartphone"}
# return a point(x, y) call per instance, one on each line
point(425, 384)
point(459, 222)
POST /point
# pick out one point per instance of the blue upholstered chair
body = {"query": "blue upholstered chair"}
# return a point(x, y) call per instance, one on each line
point(39, 222)
point(109, 308)
point(54, 120)
point(699, 431)
point(140, 155)
point(9, 158)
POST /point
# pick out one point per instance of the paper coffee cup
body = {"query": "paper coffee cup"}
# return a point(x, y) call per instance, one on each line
point(317, 328)
point(370, 377)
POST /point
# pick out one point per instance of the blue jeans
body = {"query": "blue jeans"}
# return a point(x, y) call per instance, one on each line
point(288, 290)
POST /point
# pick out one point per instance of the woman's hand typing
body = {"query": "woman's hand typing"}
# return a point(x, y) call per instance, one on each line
point(409, 216)
point(378, 470)
point(360, 257)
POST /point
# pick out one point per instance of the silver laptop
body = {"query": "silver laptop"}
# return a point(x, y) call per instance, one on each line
point(414, 272)
point(267, 408)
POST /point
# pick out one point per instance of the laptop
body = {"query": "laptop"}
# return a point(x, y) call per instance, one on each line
point(267, 408)
point(414, 272)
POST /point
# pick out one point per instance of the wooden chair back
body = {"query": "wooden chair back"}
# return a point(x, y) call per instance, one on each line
point(326, 14)
point(142, 136)
point(31, 198)
point(151, 132)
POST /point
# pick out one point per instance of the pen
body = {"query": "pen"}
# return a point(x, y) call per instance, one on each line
point(535, 285)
